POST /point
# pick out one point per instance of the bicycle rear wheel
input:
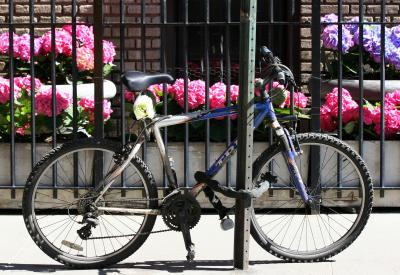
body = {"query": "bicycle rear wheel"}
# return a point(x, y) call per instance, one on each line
point(59, 193)
point(285, 227)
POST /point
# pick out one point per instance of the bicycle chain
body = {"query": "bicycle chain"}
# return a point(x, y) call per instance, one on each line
point(130, 235)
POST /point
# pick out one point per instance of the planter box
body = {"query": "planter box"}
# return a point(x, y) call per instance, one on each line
point(391, 160)
point(196, 162)
point(372, 89)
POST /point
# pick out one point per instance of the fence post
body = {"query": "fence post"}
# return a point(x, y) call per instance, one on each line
point(248, 14)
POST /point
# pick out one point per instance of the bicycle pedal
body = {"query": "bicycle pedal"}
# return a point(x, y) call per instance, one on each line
point(227, 224)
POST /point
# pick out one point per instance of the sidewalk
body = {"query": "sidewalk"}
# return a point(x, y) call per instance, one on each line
point(376, 251)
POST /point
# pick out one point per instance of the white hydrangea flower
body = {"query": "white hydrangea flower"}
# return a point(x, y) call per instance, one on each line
point(143, 107)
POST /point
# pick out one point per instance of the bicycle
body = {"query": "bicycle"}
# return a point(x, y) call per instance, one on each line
point(87, 223)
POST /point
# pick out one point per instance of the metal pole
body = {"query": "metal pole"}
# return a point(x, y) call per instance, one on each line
point(248, 16)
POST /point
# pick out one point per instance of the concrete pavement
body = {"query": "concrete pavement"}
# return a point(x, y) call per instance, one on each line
point(374, 252)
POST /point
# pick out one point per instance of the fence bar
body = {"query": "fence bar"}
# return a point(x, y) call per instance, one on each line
point(122, 30)
point(163, 56)
point(98, 86)
point(316, 70)
point(361, 78)
point(314, 167)
point(75, 114)
point(32, 72)
point(143, 57)
point(248, 19)
point(340, 92)
point(382, 88)
point(207, 81)
point(340, 68)
point(227, 52)
point(53, 88)
point(186, 106)
point(11, 74)
point(98, 68)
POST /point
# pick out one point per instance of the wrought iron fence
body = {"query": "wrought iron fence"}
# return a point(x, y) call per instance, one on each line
point(190, 31)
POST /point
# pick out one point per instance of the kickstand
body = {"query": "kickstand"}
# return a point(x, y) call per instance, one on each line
point(186, 235)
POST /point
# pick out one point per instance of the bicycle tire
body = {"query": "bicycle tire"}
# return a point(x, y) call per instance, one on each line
point(270, 242)
point(54, 158)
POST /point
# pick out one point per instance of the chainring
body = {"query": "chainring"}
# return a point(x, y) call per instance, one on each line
point(180, 202)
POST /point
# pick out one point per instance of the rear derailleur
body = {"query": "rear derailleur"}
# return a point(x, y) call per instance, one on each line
point(90, 216)
point(182, 212)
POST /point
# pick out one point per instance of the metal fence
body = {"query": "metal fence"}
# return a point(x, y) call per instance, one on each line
point(192, 25)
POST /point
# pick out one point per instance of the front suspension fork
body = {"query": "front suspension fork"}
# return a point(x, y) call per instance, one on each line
point(290, 155)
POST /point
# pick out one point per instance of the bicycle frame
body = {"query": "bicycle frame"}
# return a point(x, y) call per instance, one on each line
point(264, 109)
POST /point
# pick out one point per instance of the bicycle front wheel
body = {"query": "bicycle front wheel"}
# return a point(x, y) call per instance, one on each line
point(59, 194)
point(335, 176)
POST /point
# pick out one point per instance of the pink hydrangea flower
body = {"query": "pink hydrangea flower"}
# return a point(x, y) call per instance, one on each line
point(349, 106)
point(197, 88)
point(300, 100)
point(84, 35)
point(87, 103)
point(5, 42)
point(328, 124)
point(4, 90)
point(392, 123)
point(371, 114)
point(275, 85)
point(63, 41)
point(21, 130)
point(108, 52)
point(217, 95)
point(234, 93)
point(24, 83)
point(158, 90)
point(44, 102)
point(177, 87)
point(84, 59)
point(22, 47)
point(392, 99)
point(129, 96)
point(196, 93)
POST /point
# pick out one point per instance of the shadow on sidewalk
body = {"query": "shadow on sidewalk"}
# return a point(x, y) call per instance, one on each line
point(170, 266)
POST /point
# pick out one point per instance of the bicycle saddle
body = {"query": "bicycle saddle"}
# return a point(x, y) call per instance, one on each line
point(139, 81)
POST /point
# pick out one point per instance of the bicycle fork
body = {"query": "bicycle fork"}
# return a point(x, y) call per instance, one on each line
point(290, 154)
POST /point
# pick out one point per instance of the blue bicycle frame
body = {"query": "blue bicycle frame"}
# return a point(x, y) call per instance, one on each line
point(264, 110)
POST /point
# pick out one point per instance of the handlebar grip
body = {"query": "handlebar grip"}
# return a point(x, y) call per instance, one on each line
point(265, 51)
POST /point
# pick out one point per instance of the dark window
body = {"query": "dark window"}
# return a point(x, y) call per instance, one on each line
point(282, 39)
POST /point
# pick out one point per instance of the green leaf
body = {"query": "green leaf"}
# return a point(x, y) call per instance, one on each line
point(349, 127)
point(107, 69)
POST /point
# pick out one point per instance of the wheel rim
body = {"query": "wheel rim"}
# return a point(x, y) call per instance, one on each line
point(61, 222)
point(288, 227)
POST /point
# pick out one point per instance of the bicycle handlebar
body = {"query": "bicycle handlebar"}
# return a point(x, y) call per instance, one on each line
point(275, 70)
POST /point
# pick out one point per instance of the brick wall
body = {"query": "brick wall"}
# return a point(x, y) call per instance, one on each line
point(133, 37)
point(372, 9)
point(133, 41)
